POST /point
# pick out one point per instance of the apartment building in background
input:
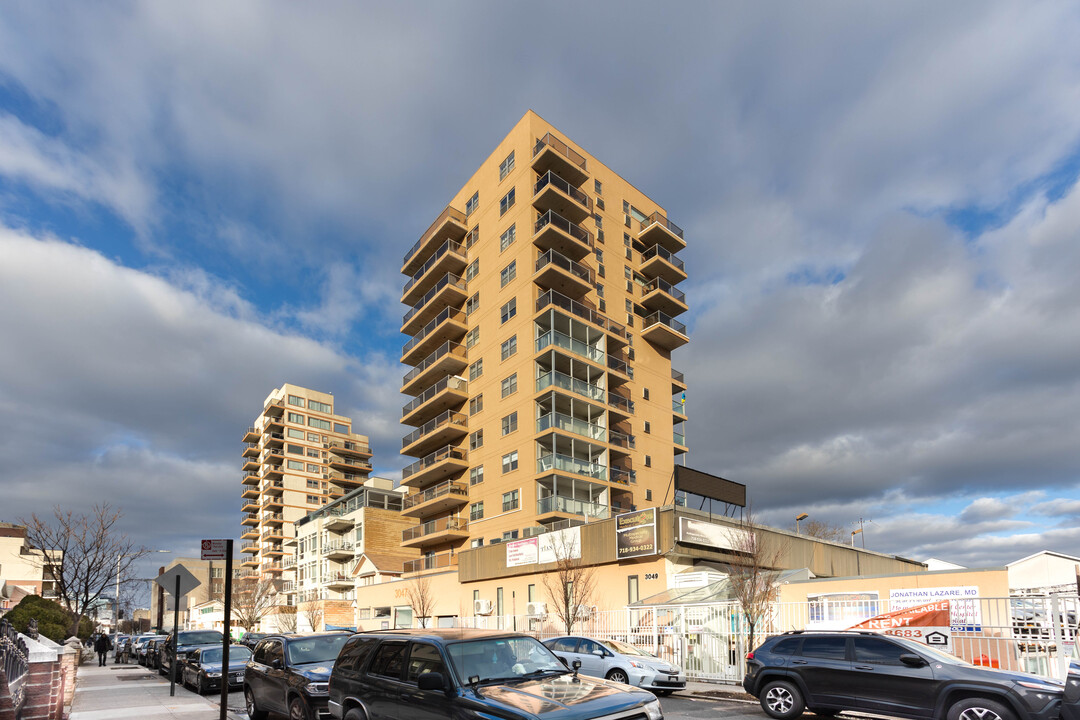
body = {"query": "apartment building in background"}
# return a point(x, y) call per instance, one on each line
point(541, 308)
point(298, 457)
point(24, 569)
point(211, 588)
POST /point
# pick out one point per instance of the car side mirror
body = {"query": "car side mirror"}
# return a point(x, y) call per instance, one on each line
point(276, 664)
point(598, 653)
point(912, 660)
point(431, 681)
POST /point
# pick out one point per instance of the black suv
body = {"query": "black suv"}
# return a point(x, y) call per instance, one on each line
point(188, 641)
point(288, 674)
point(469, 675)
point(827, 672)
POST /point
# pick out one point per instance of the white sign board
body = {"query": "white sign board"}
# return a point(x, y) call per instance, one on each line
point(725, 537)
point(522, 552)
point(546, 548)
point(214, 549)
point(965, 609)
point(188, 582)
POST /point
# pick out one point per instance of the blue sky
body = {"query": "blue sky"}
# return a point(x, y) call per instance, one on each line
point(199, 203)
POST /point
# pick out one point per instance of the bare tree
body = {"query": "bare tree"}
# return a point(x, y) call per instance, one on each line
point(252, 600)
point(825, 531)
point(84, 553)
point(421, 599)
point(313, 613)
point(754, 573)
point(572, 584)
point(286, 619)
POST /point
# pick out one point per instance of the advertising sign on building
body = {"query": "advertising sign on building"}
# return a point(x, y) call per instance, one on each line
point(699, 532)
point(565, 544)
point(965, 606)
point(635, 534)
point(522, 552)
point(928, 624)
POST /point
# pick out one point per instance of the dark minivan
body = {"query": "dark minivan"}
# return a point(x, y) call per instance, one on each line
point(288, 674)
point(470, 674)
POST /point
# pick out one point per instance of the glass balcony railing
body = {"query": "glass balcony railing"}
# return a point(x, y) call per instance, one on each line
point(678, 405)
point(352, 462)
point(623, 440)
point(550, 178)
point(657, 251)
point(447, 214)
point(569, 424)
point(664, 286)
point(434, 357)
point(446, 315)
point(445, 453)
point(622, 475)
point(448, 418)
point(619, 365)
point(570, 506)
point(579, 309)
point(447, 279)
point(664, 319)
point(618, 401)
point(559, 260)
point(566, 463)
point(560, 147)
point(349, 446)
point(658, 219)
point(453, 382)
point(431, 562)
point(448, 246)
point(450, 524)
point(680, 438)
point(573, 345)
point(558, 221)
point(678, 376)
point(444, 489)
point(571, 384)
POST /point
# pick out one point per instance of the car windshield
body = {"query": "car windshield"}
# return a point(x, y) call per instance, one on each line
point(319, 649)
point(623, 648)
point(200, 638)
point(237, 653)
point(505, 658)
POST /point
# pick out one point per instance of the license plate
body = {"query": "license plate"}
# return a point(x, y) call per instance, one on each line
point(673, 678)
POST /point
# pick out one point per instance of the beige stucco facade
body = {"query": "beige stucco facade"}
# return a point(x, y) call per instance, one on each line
point(23, 569)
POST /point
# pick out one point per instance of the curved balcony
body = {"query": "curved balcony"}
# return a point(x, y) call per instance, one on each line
point(572, 345)
point(554, 378)
point(554, 232)
point(449, 258)
point(435, 467)
point(351, 480)
point(347, 464)
point(447, 428)
point(435, 532)
point(658, 261)
point(449, 359)
point(658, 230)
point(566, 423)
point(555, 271)
point(450, 225)
point(665, 331)
point(439, 498)
point(450, 392)
point(659, 294)
point(566, 463)
point(449, 291)
point(551, 153)
point(348, 448)
point(552, 193)
point(581, 310)
point(448, 325)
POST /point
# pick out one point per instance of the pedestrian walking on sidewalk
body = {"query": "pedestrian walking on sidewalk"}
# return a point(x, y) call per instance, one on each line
point(102, 646)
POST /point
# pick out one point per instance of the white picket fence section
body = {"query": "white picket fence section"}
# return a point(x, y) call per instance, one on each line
point(1035, 634)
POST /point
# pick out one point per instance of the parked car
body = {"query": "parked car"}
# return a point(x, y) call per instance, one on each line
point(153, 652)
point(202, 669)
point(468, 675)
point(251, 639)
point(186, 641)
point(119, 646)
point(288, 674)
point(619, 662)
point(827, 672)
point(142, 648)
point(1070, 702)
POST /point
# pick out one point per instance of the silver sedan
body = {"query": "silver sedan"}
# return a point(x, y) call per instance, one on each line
point(619, 662)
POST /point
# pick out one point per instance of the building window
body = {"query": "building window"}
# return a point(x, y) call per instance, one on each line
point(319, 423)
point(627, 272)
point(625, 206)
point(530, 595)
point(509, 385)
point(476, 404)
point(629, 254)
point(645, 393)
point(507, 238)
point(320, 407)
point(510, 501)
point(296, 418)
point(506, 166)
point(476, 440)
point(476, 369)
point(629, 306)
point(509, 347)
point(600, 271)
point(476, 542)
point(648, 461)
point(476, 475)
point(476, 511)
point(600, 291)
point(313, 484)
point(473, 203)
point(508, 310)
point(509, 423)
point(472, 270)
point(295, 464)
point(294, 433)
point(626, 239)
point(510, 462)
point(600, 236)
point(472, 303)
point(632, 593)
point(313, 468)
point(507, 202)
point(629, 320)
point(312, 499)
point(472, 337)
point(600, 204)
point(598, 220)
point(507, 274)
point(341, 429)
point(294, 449)
point(510, 535)
point(598, 187)
point(603, 306)
point(599, 255)
point(648, 495)
point(473, 237)
point(648, 427)
point(296, 400)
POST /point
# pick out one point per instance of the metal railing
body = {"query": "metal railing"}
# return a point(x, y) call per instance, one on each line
point(444, 316)
point(619, 365)
point(443, 489)
point(678, 376)
point(449, 524)
point(344, 546)
point(572, 229)
point(559, 503)
point(560, 147)
point(348, 445)
point(552, 257)
point(448, 417)
point(447, 279)
point(578, 309)
point(434, 357)
point(622, 475)
point(574, 425)
point(623, 440)
point(566, 463)
point(448, 213)
point(431, 562)
point(680, 438)
point(678, 405)
point(345, 477)
point(550, 178)
point(624, 404)
point(664, 286)
point(664, 319)
point(657, 219)
point(250, 478)
point(352, 462)
point(448, 246)
point(571, 384)
point(453, 382)
point(444, 453)
point(578, 347)
point(658, 251)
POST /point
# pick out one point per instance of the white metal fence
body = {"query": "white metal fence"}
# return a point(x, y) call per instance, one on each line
point(1034, 634)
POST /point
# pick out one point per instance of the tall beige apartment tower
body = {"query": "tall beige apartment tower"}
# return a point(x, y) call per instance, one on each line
point(298, 456)
point(541, 315)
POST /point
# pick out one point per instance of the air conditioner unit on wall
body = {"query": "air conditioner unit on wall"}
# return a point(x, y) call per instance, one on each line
point(536, 609)
point(583, 612)
point(482, 607)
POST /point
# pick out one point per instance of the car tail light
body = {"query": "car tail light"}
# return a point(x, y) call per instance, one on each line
point(750, 655)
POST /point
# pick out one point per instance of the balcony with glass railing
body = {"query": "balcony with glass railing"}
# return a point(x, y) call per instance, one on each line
point(620, 404)
point(431, 562)
point(558, 505)
point(658, 230)
point(448, 359)
point(435, 532)
point(657, 261)
point(450, 225)
point(554, 232)
point(435, 467)
point(338, 549)
point(623, 476)
point(567, 463)
point(678, 406)
point(556, 379)
point(567, 423)
point(349, 448)
point(551, 153)
point(622, 441)
point(449, 291)
point(664, 330)
point(659, 294)
point(450, 392)
point(555, 271)
point(251, 435)
point(554, 338)
point(552, 193)
point(680, 438)
point(251, 450)
point(447, 427)
point(348, 464)
point(438, 498)
point(448, 325)
point(449, 258)
point(581, 310)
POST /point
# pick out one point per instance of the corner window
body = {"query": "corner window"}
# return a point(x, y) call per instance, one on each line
point(473, 203)
point(507, 238)
point(508, 273)
point(476, 369)
point(506, 166)
point(507, 202)
point(509, 347)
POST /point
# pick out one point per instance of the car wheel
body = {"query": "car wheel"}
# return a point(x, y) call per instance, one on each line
point(199, 687)
point(618, 676)
point(980, 709)
point(298, 709)
point(354, 714)
point(253, 710)
point(782, 700)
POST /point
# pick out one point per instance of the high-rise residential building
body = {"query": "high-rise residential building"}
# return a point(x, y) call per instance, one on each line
point(299, 456)
point(541, 309)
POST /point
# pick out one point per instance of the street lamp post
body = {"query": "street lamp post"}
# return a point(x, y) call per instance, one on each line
point(853, 534)
point(800, 516)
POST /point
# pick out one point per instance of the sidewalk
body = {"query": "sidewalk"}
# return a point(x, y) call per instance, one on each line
point(131, 691)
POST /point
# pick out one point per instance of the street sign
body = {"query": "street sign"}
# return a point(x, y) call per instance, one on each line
point(168, 580)
point(213, 549)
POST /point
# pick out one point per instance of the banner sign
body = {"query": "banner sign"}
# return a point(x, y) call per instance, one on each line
point(928, 624)
point(965, 607)
point(547, 548)
point(635, 534)
point(699, 532)
point(522, 552)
